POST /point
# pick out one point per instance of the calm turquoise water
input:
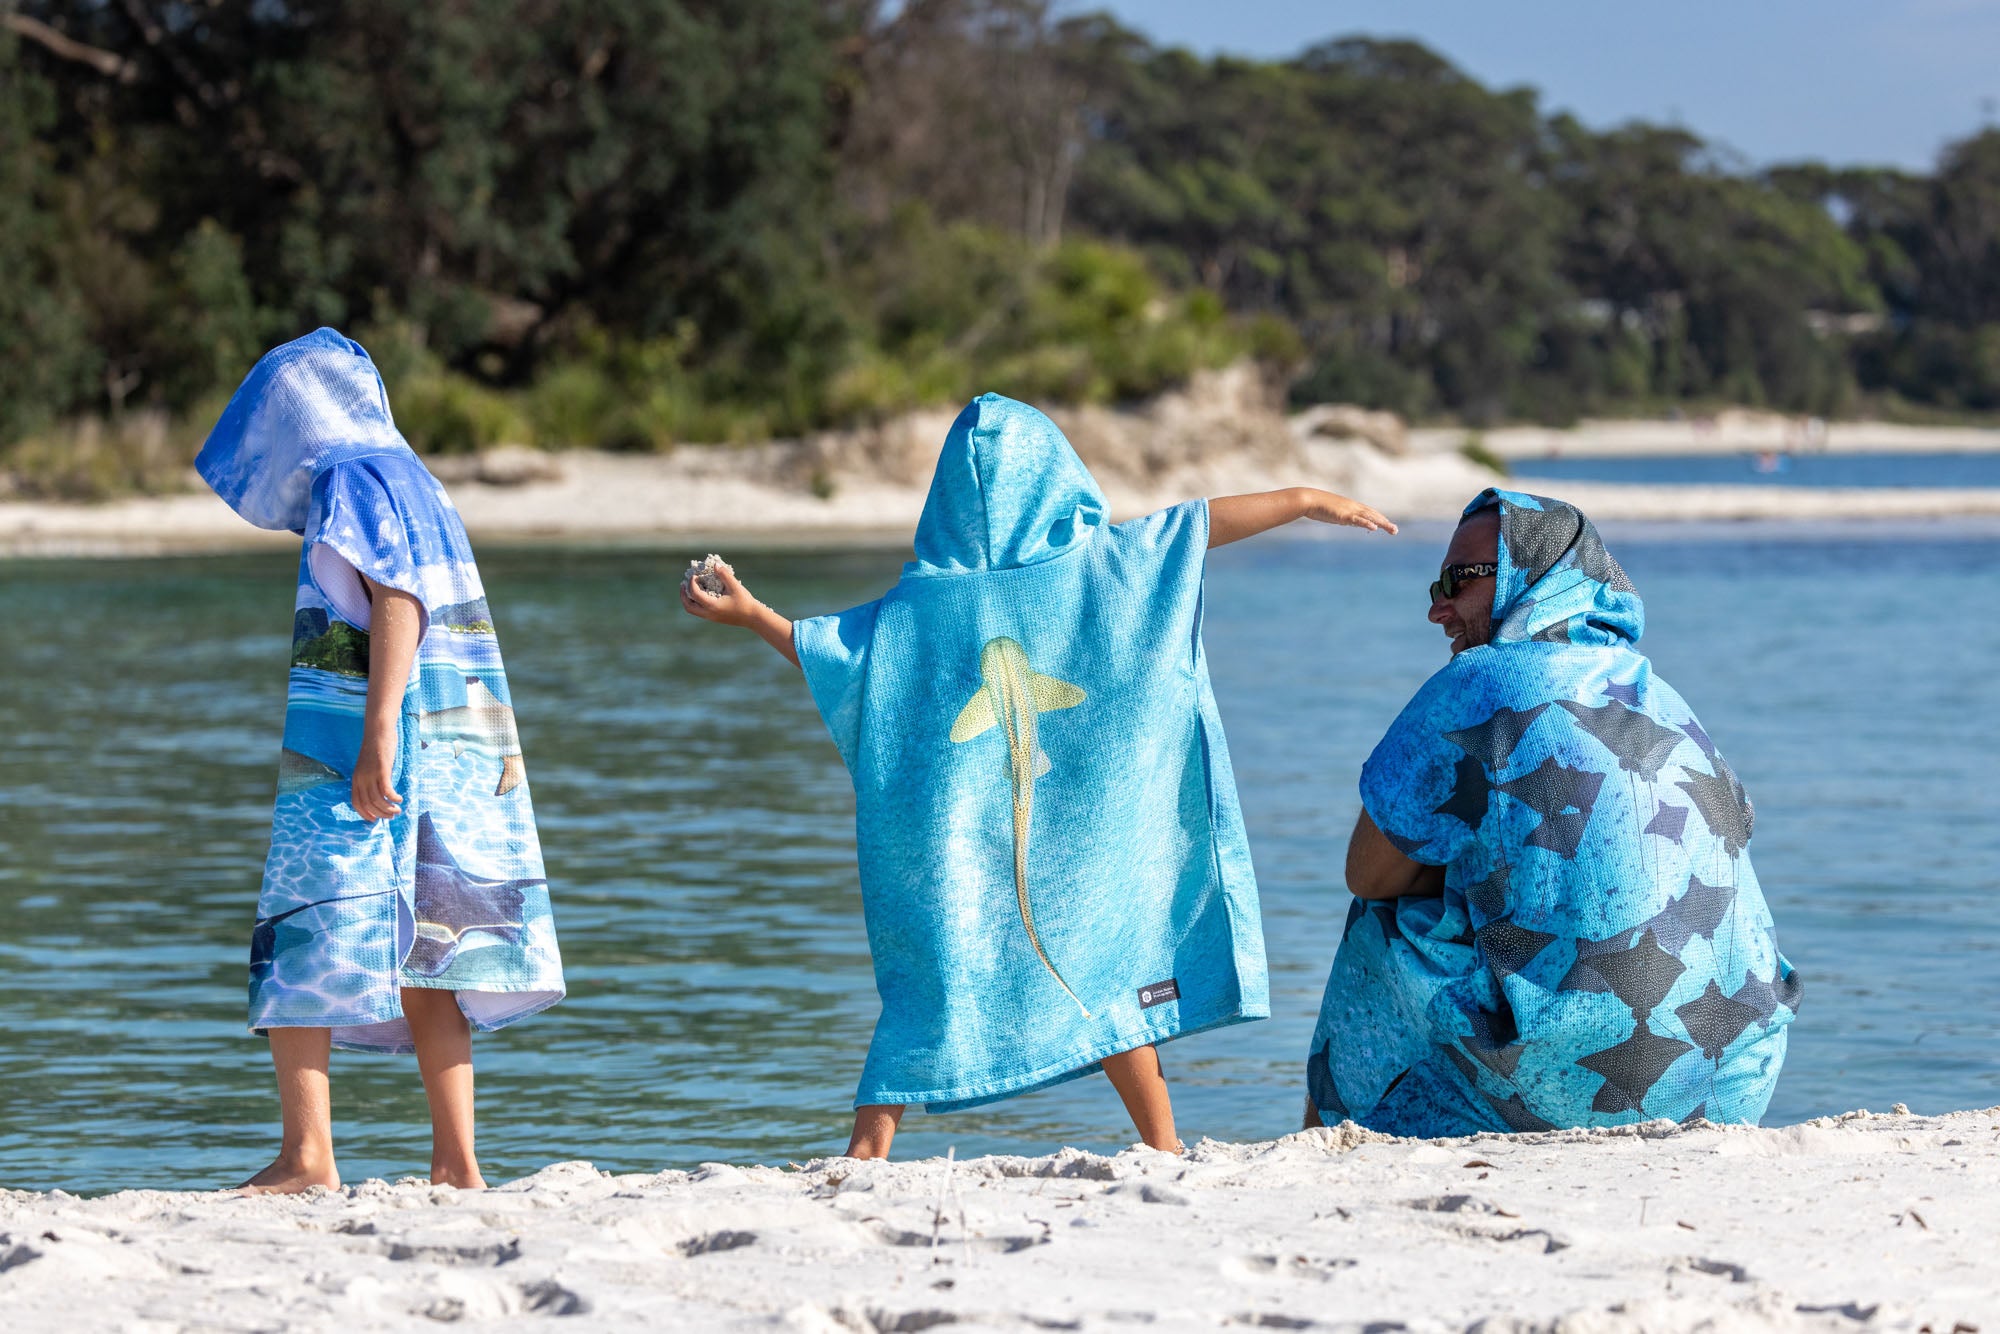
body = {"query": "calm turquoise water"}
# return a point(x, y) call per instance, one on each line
point(697, 824)
point(1866, 470)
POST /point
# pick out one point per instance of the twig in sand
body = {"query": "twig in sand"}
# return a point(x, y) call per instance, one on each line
point(937, 1214)
point(964, 1233)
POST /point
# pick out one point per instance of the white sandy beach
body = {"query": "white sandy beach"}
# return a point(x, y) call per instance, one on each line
point(688, 498)
point(1856, 1223)
point(1736, 431)
point(1222, 435)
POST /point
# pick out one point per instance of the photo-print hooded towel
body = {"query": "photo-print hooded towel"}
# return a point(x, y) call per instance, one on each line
point(450, 893)
point(1053, 866)
point(1602, 953)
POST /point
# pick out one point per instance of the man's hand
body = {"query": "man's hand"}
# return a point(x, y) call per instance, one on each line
point(375, 796)
point(735, 606)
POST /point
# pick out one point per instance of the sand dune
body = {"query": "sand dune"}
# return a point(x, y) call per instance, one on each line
point(1846, 1224)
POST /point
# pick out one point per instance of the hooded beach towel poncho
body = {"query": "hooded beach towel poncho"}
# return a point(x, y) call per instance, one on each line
point(451, 893)
point(1053, 866)
point(1602, 953)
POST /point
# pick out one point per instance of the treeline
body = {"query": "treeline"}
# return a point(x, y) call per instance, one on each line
point(631, 222)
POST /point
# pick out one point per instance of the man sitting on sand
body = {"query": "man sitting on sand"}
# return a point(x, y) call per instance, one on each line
point(1556, 922)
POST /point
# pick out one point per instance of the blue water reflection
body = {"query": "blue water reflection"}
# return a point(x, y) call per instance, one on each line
point(699, 839)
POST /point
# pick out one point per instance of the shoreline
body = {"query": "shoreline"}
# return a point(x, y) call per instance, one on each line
point(620, 501)
point(1221, 435)
point(1733, 431)
point(1837, 1224)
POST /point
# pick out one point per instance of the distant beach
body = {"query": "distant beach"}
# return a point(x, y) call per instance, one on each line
point(1218, 436)
point(1734, 431)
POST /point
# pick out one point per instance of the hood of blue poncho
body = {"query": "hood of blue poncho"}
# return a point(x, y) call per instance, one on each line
point(1008, 491)
point(1557, 583)
point(314, 402)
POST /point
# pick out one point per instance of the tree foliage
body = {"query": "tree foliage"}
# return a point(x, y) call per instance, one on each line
point(630, 222)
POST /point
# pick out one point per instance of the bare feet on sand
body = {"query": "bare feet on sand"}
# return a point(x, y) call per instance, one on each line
point(292, 1176)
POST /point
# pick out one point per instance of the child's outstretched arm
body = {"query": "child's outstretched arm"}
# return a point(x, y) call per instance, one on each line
point(395, 623)
point(1233, 518)
point(734, 606)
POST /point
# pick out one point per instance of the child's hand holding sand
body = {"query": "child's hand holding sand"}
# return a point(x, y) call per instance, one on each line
point(733, 604)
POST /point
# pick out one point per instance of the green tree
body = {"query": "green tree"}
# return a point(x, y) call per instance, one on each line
point(47, 362)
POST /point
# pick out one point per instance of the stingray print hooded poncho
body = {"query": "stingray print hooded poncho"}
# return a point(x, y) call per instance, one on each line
point(450, 893)
point(1053, 865)
point(1602, 953)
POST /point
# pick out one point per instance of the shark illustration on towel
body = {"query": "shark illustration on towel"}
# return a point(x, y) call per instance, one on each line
point(1013, 695)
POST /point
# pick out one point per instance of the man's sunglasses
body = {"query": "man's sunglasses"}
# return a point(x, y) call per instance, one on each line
point(1454, 577)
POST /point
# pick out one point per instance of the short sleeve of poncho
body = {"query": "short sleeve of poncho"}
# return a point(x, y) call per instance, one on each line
point(1168, 546)
point(385, 517)
point(833, 652)
point(1408, 782)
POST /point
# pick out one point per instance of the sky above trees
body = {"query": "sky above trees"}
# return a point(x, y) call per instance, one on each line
point(1848, 82)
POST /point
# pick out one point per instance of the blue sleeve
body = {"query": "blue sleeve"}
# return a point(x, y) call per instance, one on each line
point(1409, 782)
point(1160, 559)
point(1178, 533)
point(386, 517)
point(833, 651)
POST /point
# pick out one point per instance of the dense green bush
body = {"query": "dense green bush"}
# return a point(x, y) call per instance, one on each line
point(646, 222)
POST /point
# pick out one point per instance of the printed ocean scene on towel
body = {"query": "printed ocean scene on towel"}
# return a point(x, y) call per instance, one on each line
point(1045, 816)
point(1602, 952)
point(450, 893)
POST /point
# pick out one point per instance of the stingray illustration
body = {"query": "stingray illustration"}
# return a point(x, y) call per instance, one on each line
point(1640, 744)
point(452, 904)
point(482, 723)
point(1013, 695)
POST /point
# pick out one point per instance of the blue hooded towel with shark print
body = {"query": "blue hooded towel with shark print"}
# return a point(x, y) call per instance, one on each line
point(1602, 953)
point(450, 893)
point(1053, 865)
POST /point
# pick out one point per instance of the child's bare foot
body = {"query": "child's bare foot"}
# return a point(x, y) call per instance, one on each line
point(293, 1174)
point(1142, 1087)
point(874, 1130)
point(465, 1176)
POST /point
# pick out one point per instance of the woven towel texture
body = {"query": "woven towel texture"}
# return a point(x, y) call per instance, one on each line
point(450, 893)
point(1053, 866)
point(1602, 953)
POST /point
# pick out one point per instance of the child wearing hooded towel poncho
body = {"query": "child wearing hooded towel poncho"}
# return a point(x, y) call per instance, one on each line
point(1053, 865)
point(404, 901)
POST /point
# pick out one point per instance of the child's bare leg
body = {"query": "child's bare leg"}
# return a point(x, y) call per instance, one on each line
point(444, 1057)
point(305, 1156)
point(1312, 1116)
point(1142, 1087)
point(874, 1130)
